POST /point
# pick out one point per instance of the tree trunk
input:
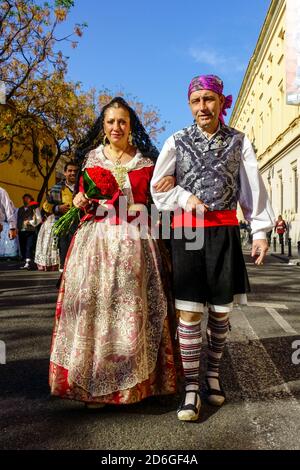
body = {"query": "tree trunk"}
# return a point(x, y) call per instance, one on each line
point(47, 177)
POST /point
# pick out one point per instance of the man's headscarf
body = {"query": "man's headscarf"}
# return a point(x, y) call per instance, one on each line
point(213, 83)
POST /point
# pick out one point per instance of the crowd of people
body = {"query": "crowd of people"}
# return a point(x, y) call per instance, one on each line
point(26, 232)
point(113, 340)
point(22, 233)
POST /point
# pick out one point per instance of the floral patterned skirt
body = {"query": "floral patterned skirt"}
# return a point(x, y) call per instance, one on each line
point(46, 253)
point(111, 341)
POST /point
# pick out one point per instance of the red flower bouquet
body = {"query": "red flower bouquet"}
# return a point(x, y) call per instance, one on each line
point(98, 184)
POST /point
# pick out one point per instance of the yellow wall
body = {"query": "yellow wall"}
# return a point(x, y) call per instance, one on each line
point(17, 183)
point(15, 179)
point(273, 126)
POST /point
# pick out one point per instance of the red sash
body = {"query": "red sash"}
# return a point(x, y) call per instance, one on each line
point(211, 219)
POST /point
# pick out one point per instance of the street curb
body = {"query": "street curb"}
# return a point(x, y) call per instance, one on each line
point(286, 259)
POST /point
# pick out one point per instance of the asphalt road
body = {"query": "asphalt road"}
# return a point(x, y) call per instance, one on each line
point(261, 382)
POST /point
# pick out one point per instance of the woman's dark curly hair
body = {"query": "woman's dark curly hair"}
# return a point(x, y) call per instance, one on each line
point(95, 136)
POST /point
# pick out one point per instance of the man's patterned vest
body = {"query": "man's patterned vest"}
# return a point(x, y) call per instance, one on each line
point(210, 168)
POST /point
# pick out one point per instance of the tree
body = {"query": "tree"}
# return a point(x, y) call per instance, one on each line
point(51, 120)
point(48, 123)
point(33, 70)
point(28, 42)
point(44, 115)
point(149, 115)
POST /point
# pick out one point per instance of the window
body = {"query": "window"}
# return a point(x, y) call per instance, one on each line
point(261, 126)
point(295, 187)
point(280, 184)
point(269, 178)
point(281, 33)
point(280, 59)
point(270, 122)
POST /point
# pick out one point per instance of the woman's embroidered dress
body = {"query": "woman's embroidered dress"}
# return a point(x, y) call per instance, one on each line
point(111, 340)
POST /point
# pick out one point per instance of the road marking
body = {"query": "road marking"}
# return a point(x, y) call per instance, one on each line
point(274, 419)
point(281, 321)
point(265, 305)
point(271, 309)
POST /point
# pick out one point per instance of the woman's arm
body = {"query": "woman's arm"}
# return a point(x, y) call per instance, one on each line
point(165, 166)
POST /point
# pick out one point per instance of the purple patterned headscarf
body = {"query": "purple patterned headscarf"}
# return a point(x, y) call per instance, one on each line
point(213, 83)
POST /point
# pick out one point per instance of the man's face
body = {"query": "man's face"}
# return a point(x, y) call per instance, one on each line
point(26, 200)
point(70, 174)
point(206, 106)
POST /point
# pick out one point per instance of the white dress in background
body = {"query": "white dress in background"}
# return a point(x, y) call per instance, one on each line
point(46, 253)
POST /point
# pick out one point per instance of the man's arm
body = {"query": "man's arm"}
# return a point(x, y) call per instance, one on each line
point(37, 218)
point(9, 210)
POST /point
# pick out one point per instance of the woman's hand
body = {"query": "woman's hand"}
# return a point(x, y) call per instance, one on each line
point(165, 184)
point(80, 201)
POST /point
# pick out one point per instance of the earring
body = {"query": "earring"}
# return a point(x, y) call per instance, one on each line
point(104, 139)
point(130, 139)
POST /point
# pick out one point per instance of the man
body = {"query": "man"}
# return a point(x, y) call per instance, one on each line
point(7, 213)
point(29, 217)
point(215, 168)
point(59, 201)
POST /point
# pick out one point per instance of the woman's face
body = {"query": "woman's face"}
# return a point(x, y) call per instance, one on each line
point(117, 126)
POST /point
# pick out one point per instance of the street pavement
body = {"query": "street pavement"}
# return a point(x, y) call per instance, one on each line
point(262, 384)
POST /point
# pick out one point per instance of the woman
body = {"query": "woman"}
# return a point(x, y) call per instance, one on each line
point(111, 341)
point(280, 228)
point(9, 247)
point(46, 252)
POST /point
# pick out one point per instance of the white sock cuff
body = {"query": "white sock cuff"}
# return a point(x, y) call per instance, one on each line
point(190, 323)
point(226, 308)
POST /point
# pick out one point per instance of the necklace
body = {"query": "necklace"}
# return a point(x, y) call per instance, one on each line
point(119, 171)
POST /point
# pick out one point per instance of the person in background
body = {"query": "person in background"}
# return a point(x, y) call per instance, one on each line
point(7, 213)
point(46, 252)
point(269, 237)
point(28, 218)
point(280, 228)
point(59, 201)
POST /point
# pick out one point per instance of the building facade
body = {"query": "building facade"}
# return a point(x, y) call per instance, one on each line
point(18, 176)
point(272, 125)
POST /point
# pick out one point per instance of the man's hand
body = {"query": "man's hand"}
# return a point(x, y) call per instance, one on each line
point(80, 201)
point(165, 184)
point(12, 233)
point(63, 208)
point(193, 202)
point(259, 248)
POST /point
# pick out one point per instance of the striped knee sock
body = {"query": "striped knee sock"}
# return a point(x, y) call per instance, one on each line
point(190, 340)
point(217, 330)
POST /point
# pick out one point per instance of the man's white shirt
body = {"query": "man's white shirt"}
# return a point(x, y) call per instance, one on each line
point(253, 197)
point(7, 210)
